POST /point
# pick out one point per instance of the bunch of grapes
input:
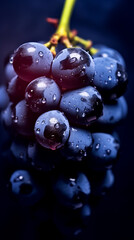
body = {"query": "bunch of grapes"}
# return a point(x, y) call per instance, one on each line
point(60, 112)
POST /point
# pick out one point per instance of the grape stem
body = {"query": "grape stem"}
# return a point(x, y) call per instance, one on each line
point(63, 33)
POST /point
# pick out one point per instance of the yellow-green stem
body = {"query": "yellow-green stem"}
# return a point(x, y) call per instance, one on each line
point(63, 27)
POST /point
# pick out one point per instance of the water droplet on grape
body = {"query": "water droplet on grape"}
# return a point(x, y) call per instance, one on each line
point(41, 54)
point(43, 121)
point(118, 74)
point(11, 60)
point(54, 97)
point(97, 146)
point(109, 78)
point(37, 60)
point(38, 130)
point(57, 125)
point(83, 114)
point(108, 151)
point(15, 119)
point(30, 94)
point(77, 109)
point(43, 100)
point(19, 178)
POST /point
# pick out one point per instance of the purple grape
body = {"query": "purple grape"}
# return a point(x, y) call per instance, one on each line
point(52, 129)
point(42, 94)
point(82, 106)
point(73, 68)
point(16, 89)
point(32, 60)
point(23, 119)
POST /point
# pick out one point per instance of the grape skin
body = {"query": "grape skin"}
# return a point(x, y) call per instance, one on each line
point(32, 60)
point(73, 68)
point(42, 94)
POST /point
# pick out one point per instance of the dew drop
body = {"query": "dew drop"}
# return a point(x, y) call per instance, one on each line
point(43, 121)
point(43, 100)
point(77, 145)
point(38, 130)
point(97, 146)
point(109, 78)
point(118, 74)
point(19, 178)
point(77, 109)
point(108, 151)
point(30, 93)
point(57, 125)
point(11, 60)
point(41, 54)
point(54, 97)
point(83, 114)
point(37, 60)
point(15, 119)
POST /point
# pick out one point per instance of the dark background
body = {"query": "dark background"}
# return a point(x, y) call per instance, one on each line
point(104, 21)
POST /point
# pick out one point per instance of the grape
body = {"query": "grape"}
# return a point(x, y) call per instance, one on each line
point(73, 68)
point(7, 116)
point(104, 152)
point(72, 191)
point(102, 182)
point(72, 222)
point(82, 106)
point(19, 148)
point(110, 78)
point(42, 94)
point(23, 119)
point(32, 60)
point(78, 145)
point(104, 51)
point(4, 98)
point(8, 68)
point(42, 158)
point(24, 187)
point(16, 89)
point(113, 112)
point(52, 129)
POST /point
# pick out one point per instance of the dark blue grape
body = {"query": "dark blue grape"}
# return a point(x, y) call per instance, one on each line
point(82, 106)
point(7, 116)
point(41, 158)
point(78, 145)
point(52, 129)
point(110, 78)
point(102, 182)
point(24, 187)
point(23, 119)
point(32, 60)
point(71, 223)
point(104, 51)
point(104, 152)
point(114, 112)
point(42, 94)
point(72, 191)
point(16, 89)
point(19, 147)
point(4, 98)
point(73, 68)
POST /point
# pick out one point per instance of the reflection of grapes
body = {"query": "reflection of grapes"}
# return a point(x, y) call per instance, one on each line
point(60, 111)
